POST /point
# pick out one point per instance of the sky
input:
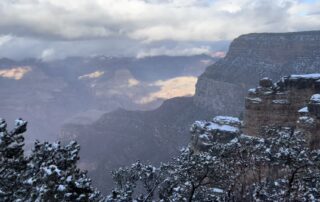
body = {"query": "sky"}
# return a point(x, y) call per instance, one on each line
point(50, 29)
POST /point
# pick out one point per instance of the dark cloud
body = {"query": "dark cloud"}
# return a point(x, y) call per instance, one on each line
point(58, 28)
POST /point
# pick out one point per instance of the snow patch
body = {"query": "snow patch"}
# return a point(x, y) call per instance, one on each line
point(305, 76)
point(217, 190)
point(255, 100)
point(227, 128)
point(303, 110)
point(228, 120)
point(61, 187)
point(315, 98)
point(280, 101)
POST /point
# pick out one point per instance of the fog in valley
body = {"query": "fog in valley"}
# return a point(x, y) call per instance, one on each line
point(81, 89)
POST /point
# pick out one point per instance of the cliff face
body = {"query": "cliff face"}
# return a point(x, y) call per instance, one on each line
point(292, 102)
point(254, 56)
point(122, 137)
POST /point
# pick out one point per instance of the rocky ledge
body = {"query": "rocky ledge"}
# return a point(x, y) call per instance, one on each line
point(293, 101)
point(221, 129)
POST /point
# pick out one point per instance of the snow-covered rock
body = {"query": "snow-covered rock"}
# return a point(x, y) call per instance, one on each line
point(221, 129)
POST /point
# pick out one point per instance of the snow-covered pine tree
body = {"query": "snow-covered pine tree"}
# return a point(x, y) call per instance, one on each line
point(49, 173)
point(206, 176)
point(293, 169)
point(12, 161)
point(278, 167)
point(52, 174)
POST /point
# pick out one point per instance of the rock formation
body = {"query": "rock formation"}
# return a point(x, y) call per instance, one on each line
point(309, 121)
point(292, 102)
point(221, 129)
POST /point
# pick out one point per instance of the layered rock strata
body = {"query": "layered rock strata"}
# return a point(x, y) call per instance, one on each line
point(221, 129)
point(293, 101)
point(309, 121)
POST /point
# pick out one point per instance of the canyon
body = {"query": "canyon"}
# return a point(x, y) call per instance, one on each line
point(220, 90)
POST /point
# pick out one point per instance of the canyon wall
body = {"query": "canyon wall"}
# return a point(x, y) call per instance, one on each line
point(292, 101)
point(251, 57)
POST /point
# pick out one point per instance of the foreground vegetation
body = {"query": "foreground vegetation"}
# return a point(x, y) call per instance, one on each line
point(279, 167)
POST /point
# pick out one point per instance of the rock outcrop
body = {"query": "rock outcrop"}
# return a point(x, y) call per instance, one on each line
point(279, 103)
point(293, 101)
point(309, 121)
point(221, 129)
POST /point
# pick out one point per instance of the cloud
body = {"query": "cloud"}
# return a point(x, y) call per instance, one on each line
point(92, 75)
point(132, 26)
point(218, 54)
point(133, 82)
point(47, 54)
point(5, 39)
point(175, 87)
point(177, 51)
point(16, 73)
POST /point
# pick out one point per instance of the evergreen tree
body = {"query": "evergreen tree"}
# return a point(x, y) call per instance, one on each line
point(49, 173)
point(12, 161)
point(52, 174)
point(279, 167)
point(294, 172)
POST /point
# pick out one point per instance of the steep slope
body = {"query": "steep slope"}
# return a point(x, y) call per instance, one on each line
point(292, 102)
point(220, 90)
point(123, 137)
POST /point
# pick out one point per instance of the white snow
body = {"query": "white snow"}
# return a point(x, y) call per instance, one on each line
point(19, 122)
point(255, 99)
point(303, 110)
point(48, 171)
point(52, 168)
point(315, 98)
point(61, 187)
point(227, 128)
point(280, 101)
point(252, 90)
point(204, 136)
point(234, 140)
point(229, 120)
point(3, 123)
point(269, 92)
point(217, 190)
point(29, 181)
point(306, 120)
point(305, 76)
